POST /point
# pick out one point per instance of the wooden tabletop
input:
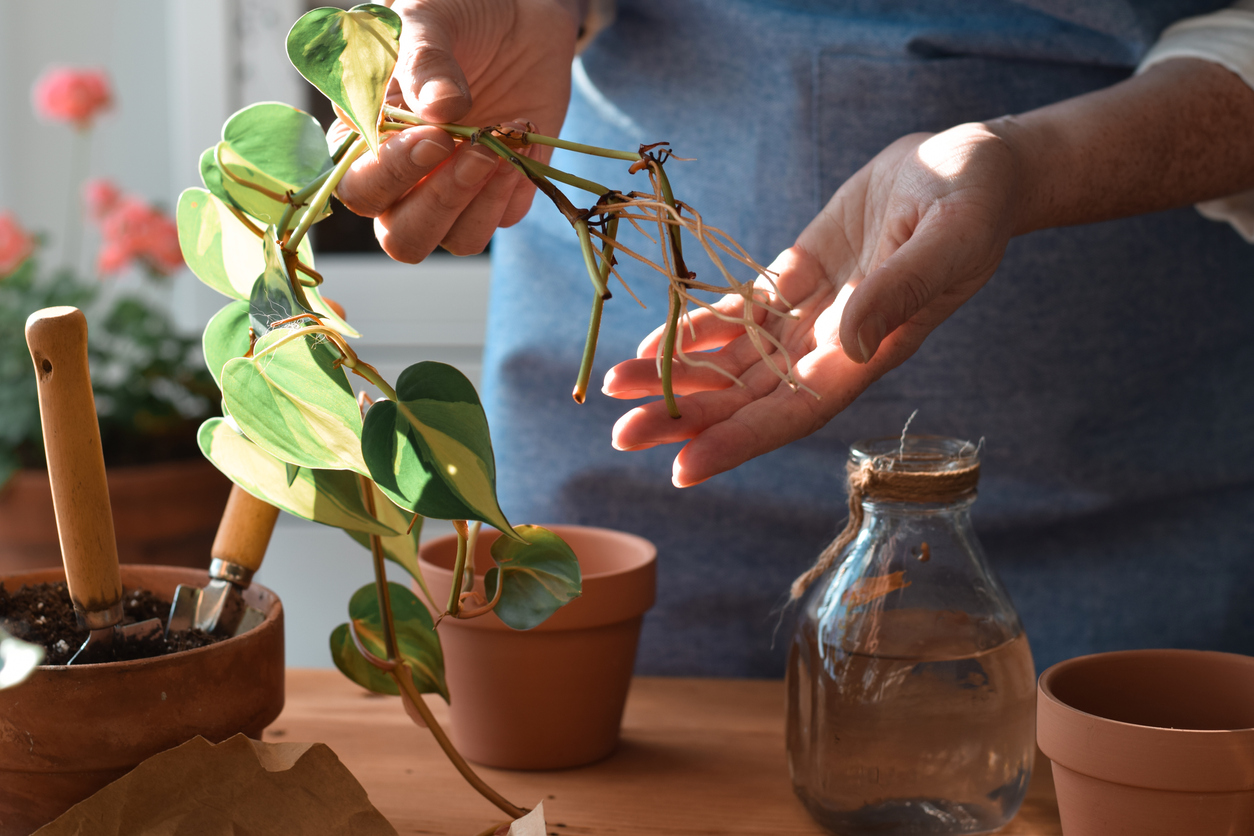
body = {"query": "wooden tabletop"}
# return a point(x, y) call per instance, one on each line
point(697, 756)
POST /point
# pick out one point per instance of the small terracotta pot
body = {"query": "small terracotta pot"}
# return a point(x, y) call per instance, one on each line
point(551, 697)
point(1151, 742)
point(162, 514)
point(68, 731)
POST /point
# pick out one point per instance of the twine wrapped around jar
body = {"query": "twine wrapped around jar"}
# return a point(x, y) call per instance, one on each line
point(875, 479)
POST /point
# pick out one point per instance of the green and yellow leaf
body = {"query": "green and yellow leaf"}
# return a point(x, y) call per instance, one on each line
point(294, 401)
point(416, 638)
point(329, 497)
point(349, 56)
point(431, 451)
point(539, 575)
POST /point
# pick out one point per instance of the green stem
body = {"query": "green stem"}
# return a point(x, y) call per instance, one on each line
point(591, 150)
point(345, 144)
point(324, 194)
point(562, 177)
point(405, 681)
point(668, 354)
point(301, 197)
point(589, 258)
point(396, 114)
point(459, 571)
point(380, 576)
point(580, 393)
point(74, 211)
point(673, 233)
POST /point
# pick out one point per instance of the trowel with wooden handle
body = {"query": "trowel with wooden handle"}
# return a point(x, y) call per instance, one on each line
point(238, 549)
point(57, 338)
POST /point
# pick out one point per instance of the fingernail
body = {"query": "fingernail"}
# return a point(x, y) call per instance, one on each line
point(627, 394)
point(438, 90)
point(473, 165)
point(870, 335)
point(428, 152)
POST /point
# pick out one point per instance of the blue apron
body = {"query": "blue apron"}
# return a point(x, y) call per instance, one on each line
point(1110, 367)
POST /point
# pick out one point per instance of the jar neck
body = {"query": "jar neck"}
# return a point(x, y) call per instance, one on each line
point(878, 508)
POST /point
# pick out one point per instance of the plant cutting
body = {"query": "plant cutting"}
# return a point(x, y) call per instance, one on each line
point(378, 457)
point(152, 392)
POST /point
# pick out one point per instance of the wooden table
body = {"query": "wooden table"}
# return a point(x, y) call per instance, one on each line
point(698, 756)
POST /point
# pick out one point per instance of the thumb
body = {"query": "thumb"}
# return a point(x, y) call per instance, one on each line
point(429, 77)
point(909, 280)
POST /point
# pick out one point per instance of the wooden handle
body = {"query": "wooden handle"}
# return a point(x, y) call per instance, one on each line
point(245, 530)
point(57, 338)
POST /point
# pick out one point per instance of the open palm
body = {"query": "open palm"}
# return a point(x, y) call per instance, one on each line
point(899, 247)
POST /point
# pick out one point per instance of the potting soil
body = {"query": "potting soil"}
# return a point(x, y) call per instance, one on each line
point(43, 614)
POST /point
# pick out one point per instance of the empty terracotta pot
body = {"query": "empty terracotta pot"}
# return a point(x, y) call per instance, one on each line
point(550, 697)
point(1151, 742)
point(68, 731)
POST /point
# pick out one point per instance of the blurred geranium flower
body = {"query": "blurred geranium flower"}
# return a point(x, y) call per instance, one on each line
point(135, 231)
point(101, 197)
point(16, 244)
point(65, 94)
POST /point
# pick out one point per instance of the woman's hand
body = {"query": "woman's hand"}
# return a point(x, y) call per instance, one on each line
point(479, 62)
point(899, 247)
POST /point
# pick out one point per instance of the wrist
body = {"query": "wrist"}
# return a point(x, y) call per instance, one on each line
point(1028, 150)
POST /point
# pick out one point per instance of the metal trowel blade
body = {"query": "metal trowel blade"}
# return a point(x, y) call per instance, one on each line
point(99, 640)
point(183, 609)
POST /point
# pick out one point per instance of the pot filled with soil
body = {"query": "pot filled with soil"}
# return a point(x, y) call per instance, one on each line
point(1151, 742)
point(127, 687)
point(550, 697)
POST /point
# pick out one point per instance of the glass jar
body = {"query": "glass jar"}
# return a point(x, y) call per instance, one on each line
point(911, 689)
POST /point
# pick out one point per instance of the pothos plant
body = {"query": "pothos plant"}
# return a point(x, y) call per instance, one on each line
point(297, 434)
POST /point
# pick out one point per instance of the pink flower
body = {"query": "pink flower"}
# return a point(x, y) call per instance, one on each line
point(64, 94)
point(101, 197)
point(16, 244)
point(135, 231)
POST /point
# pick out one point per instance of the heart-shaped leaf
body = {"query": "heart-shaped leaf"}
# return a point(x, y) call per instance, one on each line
point(226, 337)
point(268, 150)
point(431, 451)
point(416, 639)
point(330, 497)
point(272, 299)
point(349, 56)
point(294, 401)
point(539, 576)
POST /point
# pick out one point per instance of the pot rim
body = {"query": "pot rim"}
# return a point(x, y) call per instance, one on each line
point(1135, 755)
point(273, 613)
point(635, 585)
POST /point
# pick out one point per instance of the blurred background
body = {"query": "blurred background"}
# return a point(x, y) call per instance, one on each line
point(178, 69)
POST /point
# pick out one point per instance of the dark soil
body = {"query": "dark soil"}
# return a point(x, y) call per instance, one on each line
point(43, 614)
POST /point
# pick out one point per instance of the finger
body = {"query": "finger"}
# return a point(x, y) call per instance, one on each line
point(651, 424)
point(519, 203)
point(703, 328)
point(770, 422)
point(474, 227)
point(639, 378)
point(933, 260)
point(429, 77)
point(414, 226)
point(371, 186)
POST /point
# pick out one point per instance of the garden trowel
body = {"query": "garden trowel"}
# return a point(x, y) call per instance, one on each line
point(238, 548)
point(57, 338)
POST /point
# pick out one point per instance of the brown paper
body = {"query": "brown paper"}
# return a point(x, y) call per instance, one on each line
point(240, 787)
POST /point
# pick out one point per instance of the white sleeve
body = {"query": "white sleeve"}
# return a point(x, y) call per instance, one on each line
point(1227, 38)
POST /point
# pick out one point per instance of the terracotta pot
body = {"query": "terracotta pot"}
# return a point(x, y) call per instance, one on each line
point(68, 731)
point(551, 697)
point(1151, 742)
point(162, 514)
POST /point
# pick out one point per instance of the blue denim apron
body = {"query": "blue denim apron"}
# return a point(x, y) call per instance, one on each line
point(1110, 367)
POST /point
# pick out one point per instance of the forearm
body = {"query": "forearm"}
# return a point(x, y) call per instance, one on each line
point(1181, 132)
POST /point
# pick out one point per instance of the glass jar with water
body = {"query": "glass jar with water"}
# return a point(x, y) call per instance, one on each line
point(911, 690)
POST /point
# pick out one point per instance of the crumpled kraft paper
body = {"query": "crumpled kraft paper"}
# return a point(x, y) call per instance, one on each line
point(240, 787)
